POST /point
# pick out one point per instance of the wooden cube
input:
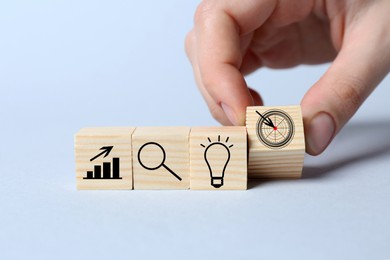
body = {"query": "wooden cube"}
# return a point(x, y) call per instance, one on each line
point(276, 142)
point(218, 158)
point(103, 158)
point(161, 158)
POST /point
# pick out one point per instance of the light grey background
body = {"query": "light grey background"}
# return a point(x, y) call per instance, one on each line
point(70, 64)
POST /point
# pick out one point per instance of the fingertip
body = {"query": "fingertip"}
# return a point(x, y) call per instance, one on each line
point(220, 115)
point(189, 44)
point(319, 132)
point(257, 100)
point(237, 114)
point(230, 114)
point(227, 87)
point(239, 117)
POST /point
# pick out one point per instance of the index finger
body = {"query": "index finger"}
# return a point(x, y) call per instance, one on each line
point(218, 28)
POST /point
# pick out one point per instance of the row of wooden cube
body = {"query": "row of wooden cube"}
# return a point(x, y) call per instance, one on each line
point(198, 158)
point(195, 158)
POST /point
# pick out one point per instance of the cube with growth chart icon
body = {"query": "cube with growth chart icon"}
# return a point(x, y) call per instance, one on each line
point(103, 158)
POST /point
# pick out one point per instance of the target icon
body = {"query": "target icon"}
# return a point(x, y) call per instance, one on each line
point(275, 128)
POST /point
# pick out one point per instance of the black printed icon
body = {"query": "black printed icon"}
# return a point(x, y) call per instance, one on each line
point(160, 164)
point(217, 157)
point(275, 128)
point(97, 171)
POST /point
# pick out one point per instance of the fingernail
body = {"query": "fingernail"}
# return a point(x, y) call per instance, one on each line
point(321, 132)
point(229, 113)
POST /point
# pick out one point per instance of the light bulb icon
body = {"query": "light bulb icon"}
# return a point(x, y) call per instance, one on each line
point(217, 157)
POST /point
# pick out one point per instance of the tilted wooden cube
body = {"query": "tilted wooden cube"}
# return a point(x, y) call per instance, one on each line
point(276, 142)
point(218, 158)
point(161, 158)
point(103, 158)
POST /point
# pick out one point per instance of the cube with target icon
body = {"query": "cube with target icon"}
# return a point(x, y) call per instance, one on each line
point(276, 142)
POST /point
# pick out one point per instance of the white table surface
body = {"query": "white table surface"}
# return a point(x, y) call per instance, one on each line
point(66, 65)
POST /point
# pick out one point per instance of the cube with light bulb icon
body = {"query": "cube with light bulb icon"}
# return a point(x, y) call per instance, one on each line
point(218, 158)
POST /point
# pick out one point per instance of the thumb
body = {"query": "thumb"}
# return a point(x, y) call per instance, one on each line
point(359, 67)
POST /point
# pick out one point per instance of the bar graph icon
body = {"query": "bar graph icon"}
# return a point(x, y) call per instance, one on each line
point(97, 172)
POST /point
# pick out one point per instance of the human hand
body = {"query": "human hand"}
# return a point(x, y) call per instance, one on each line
point(231, 39)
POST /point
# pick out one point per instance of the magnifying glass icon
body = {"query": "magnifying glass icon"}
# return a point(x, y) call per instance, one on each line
point(160, 164)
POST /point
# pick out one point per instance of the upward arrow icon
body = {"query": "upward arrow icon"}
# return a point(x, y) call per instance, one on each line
point(106, 151)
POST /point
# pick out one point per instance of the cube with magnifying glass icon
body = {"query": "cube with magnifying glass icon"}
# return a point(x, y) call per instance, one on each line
point(161, 158)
